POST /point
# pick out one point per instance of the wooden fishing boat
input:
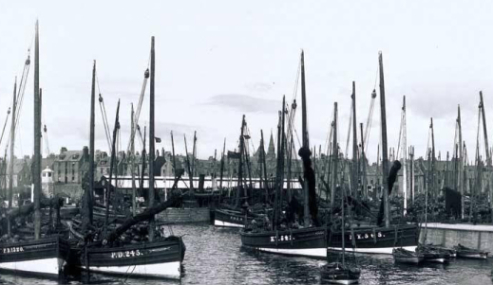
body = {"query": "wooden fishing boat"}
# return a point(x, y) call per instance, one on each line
point(336, 273)
point(45, 257)
point(41, 255)
point(341, 273)
point(376, 240)
point(452, 252)
point(150, 256)
point(402, 255)
point(433, 255)
point(467, 252)
point(158, 259)
point(229, 218)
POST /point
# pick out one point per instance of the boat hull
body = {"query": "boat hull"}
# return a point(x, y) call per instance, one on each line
point(301, 242)
point(45, 257)
point(378, 240)
point(314, 242)
point(229, 218)
point(158, 259)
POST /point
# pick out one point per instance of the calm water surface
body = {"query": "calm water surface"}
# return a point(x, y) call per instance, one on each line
point(215, 256)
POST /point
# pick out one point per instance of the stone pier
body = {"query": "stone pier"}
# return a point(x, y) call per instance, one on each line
point(449, 235)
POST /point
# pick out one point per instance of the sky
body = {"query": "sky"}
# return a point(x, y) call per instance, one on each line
point(218, 60)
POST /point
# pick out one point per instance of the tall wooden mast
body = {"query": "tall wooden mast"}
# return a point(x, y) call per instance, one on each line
point(132, 161)
point(411, 178)
point(173, 150)
point(485, 131)
point(193, 152)
point(37, 139)
point(335, 157)
point(433, 162)
point(89, 192)
point(354, 172)
point(305, 140)
point(460, 181)
point(385, 160)
point(112, 163)
point(152, 151)
point(240, 165)
point(363, 164)
point(12, 158)
point(404, 153)
point(222, 166)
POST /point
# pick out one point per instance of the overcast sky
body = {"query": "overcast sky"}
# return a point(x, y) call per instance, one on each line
point(217, 60)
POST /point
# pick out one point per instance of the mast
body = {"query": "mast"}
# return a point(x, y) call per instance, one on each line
point(281, 153)
point(222, 166)
point(193, 152)
point(483, 114)
point(37, 139)
point(112, 162)
point(152, 137)
point(461, 163)
point(385, 161)
point(190, 175)
point(433, 162)
point(335, 157)
point(411, 179)
point(89, 192)
point(240, 165)
point(354, 174)
point(305, 141)
point(404, 153)
point(262, 166)
point(12, 158)
point(132, 154)
point(363, 163)
point(173, 149)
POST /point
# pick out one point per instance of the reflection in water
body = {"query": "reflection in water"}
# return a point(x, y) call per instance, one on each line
point(215, 256)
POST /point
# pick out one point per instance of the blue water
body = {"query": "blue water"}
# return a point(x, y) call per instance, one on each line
point(215, 256)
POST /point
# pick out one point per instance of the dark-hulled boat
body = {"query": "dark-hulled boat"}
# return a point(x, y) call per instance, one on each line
point(310, 241)
point(223, 217)
point(467, 252)
point(336, 273)
point(39, 255)
point(402, 255)
point(433, 255)
point(45, 257)
point(150, 257)
point(158, 259)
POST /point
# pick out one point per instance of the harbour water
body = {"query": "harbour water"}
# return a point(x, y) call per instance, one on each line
point(215, 256)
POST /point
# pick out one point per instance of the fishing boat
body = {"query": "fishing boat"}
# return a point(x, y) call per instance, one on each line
point(341, 273)
point(452, 252)
point(230, 218)
point(434, 255)
point(467, 252)
point(309, 240)
point(405, 256)
point(154, 256)
point(42, 255)
point(238, 214)
point(337, 273)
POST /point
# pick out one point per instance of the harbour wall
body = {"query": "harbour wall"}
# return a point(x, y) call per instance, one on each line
point(184, 215)
point(449, 235)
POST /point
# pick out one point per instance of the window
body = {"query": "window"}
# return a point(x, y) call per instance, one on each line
point(49, 174)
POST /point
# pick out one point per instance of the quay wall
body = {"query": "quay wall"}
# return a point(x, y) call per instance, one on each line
point(449, 235)
point(184, 215)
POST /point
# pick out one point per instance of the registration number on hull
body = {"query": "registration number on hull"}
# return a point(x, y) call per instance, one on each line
point(14, 249)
